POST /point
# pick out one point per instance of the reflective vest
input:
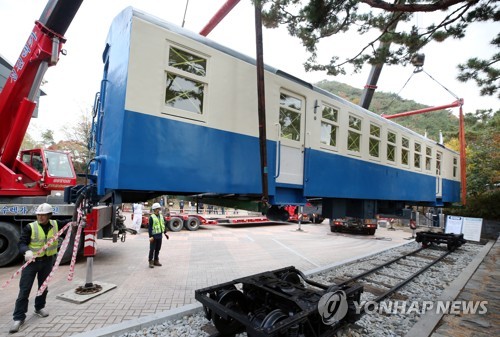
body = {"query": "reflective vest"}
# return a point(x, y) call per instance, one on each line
point(39, 239)
point(158, 224)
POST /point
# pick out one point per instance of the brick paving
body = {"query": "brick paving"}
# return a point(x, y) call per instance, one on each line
point(484, 285)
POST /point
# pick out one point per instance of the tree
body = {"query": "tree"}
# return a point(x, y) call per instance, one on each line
point(76, 141)
point(48, 138)
point(314, 20)
point(483, 152)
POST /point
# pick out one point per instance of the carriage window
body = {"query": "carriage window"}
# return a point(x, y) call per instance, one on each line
point(428, 158)
point(185, 89)
point(185, 94)
point(417, 155)
point(391, 146)
point(329, 126)
point(290, 109)
point(438, 163)
point(188, 62)
point(374, 143)
point(455, 167)
point(354, 134)
point(405, 151)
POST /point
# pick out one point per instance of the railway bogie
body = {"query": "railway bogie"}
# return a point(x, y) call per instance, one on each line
point(279, 303)
point(452, 241)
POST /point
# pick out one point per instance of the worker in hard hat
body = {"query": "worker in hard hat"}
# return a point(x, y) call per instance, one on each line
point(156, 230)
point(33, 237)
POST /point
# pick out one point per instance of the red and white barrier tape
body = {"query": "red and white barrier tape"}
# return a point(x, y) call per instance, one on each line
point(62, 250)
point(44, 248)
point(75, 252)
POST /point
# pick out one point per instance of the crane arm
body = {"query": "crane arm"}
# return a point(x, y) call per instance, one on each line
point(17, 99)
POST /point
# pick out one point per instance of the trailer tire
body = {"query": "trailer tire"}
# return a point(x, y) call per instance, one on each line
point(175, 224)
point(192, 223)
point(9, 237)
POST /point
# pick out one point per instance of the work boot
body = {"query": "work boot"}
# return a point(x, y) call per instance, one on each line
point(15, 326)
point(157, 263)
point(42, 312)
point(151, 265)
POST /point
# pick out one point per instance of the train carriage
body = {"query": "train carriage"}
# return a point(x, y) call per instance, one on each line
point(178, 115)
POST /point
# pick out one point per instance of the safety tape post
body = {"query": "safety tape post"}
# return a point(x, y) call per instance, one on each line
point(44, 248)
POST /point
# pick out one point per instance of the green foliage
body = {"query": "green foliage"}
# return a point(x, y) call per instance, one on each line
point(483, 152)
point(313, 20)
point(481, 206)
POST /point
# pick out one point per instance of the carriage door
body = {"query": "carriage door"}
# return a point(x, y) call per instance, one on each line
point(290, 151)
point(439, 181)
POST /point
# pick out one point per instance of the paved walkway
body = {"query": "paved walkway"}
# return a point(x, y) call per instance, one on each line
point(484, 285)
point(191, 260)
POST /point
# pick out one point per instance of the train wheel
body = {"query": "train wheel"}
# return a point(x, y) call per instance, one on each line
point(175, 224)
point(233, 300)
point(292, 277)
point(9, 237)
point(273, 317)
point(192, 223)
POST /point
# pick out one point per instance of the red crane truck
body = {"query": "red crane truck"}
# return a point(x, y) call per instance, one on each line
point(31, 177)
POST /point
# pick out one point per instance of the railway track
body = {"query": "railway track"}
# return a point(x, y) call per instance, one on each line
point(429, 286)
point(284, 302)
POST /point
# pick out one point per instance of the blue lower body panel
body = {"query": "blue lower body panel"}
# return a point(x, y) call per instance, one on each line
point(161, 154)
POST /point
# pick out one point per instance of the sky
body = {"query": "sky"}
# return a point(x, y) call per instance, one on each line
point(72, 84)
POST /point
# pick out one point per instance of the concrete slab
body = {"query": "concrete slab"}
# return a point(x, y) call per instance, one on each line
point(78, 298)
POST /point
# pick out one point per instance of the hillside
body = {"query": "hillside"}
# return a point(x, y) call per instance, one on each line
point(390, 103)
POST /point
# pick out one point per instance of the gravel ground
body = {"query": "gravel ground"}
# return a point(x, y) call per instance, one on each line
point(427, 287)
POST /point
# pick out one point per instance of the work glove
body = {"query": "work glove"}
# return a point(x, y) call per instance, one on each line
point(151, 239)
point(28, 256)
point(166, 235)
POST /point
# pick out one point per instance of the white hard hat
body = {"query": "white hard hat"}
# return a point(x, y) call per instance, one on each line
point(155, 206)
point(44, 209)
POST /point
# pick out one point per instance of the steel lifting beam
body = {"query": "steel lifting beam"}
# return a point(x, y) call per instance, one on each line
point(221, 14)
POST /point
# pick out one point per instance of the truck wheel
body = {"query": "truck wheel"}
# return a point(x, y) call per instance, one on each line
point(192, 223)
point(371, 231)
point(9, 237)
point(175, 224)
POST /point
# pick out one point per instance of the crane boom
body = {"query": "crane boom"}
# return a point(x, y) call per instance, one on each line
point(40, 52)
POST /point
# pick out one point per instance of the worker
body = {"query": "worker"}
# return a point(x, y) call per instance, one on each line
point(33, 237)
point(137, 216)
point(156, 230)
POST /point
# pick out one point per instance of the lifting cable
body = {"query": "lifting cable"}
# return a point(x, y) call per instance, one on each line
point(185, 11)
point(415, 71)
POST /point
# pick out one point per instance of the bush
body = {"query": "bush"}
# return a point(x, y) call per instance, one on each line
point(483, 206)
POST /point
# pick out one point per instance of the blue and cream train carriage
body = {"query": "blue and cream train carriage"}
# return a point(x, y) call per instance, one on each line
point(178, 115)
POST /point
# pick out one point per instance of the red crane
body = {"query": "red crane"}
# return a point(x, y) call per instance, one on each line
point(35, 172)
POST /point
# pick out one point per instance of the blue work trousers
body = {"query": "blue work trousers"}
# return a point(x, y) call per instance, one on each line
point(36, 269)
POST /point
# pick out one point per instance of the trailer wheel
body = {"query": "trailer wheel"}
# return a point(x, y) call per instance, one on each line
point(175, 224)
point(9, 237)
point(192, 223)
